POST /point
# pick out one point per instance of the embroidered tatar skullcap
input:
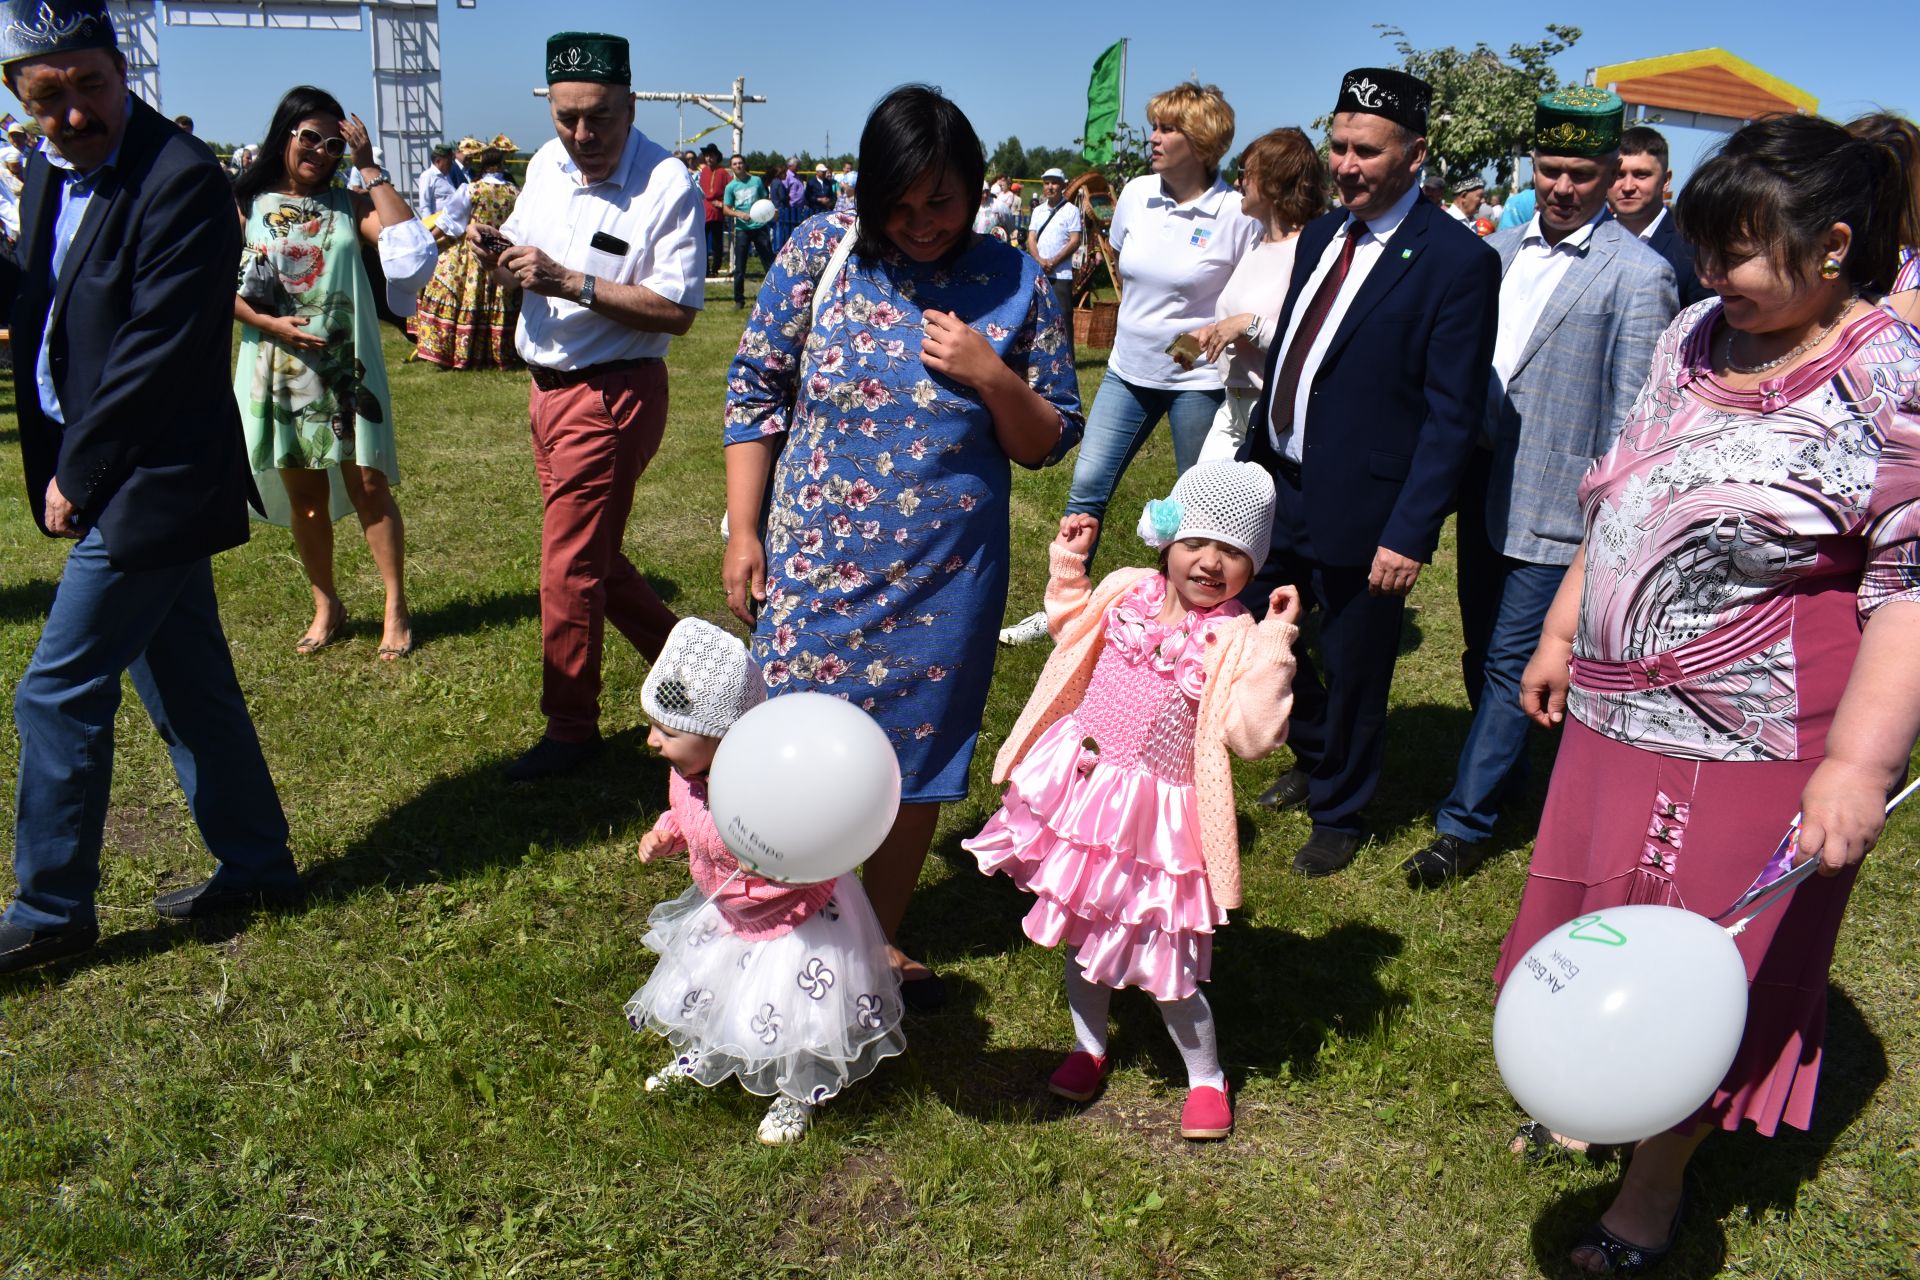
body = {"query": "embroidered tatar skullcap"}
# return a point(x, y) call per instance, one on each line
point(1582, 121)
point(1382, 91)
point(1230, 502)
point(36, 28)
point(588, 55)
point(702, 682)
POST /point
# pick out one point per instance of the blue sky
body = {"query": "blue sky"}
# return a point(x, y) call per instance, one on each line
point(823, 66)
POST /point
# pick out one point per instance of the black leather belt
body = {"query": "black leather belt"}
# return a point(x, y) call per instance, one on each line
point(555, 379)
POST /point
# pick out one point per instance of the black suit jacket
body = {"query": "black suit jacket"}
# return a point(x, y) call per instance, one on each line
point(141, 349)
point(1666, 242)
point(1400, 399)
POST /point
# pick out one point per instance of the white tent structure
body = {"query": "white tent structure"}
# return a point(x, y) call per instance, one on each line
point(405, 39)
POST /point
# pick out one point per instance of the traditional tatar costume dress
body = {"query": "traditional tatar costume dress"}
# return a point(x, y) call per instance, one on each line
point(1736, 543)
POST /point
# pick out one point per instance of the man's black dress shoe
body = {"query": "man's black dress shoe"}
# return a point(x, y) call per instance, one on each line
point(23, 948)
point(1326, 851)
point(1445, 859)
point(550, 757)
point(197, 902)
point(1289, 788)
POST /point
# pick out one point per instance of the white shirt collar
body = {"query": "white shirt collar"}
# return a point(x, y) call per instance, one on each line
point(1207, 203)
point(619, 175)
point(1383, 227)
point(1646, 232)
point(1577, 242)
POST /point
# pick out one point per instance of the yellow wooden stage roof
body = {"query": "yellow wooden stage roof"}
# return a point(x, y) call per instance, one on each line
point(1708, 82)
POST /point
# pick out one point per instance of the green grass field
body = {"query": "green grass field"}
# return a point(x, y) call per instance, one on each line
point(426, 1072)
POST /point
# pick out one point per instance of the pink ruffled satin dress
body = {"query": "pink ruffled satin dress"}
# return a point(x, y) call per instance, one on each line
point(1101, 821)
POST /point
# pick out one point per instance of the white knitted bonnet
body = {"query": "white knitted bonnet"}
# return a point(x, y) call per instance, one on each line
point(1231, 502)
point(703, 681)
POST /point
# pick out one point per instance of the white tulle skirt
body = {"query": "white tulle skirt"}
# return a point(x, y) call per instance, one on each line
point(805, 1014)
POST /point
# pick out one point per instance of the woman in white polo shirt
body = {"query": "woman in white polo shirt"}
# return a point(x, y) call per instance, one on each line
point(1178, 232)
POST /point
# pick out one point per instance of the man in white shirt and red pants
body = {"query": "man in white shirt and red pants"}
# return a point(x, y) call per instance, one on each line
point(607, 243)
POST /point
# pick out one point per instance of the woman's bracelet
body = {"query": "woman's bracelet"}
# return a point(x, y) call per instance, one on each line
point(382, 181)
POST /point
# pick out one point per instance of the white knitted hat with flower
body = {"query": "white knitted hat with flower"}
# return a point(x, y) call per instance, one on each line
point(1231, 502)
point(702, 682)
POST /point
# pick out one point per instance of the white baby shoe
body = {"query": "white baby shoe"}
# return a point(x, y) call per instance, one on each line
point(786, 1121)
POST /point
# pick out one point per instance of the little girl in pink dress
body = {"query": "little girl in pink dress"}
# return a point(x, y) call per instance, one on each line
point(1118, 814)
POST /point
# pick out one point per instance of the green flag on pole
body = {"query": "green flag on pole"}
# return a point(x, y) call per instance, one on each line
point(1103, 103)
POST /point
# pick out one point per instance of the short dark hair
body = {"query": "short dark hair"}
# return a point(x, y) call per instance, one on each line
point(1642, 141)
point(185, 122)
point(914, 132)
point(269, 167)
point(1292, 178)
point(1780, 183)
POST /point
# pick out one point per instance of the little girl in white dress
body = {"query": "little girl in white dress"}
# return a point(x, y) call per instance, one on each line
point(785, 987)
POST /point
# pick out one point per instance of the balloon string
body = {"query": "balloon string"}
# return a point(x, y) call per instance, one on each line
point(1765, 896)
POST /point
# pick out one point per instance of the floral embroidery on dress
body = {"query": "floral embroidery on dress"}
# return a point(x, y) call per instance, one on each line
point(885, 531)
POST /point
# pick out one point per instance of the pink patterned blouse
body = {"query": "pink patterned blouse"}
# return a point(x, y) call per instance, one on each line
point(1737, 540)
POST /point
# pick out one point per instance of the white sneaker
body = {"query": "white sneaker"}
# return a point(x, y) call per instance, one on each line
point(1029, 629)
point(786, 1121)
point(681, 1068)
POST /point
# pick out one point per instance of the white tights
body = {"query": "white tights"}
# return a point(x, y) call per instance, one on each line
point(1189, 1022)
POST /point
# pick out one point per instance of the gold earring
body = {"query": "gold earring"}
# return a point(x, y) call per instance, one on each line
point(1830, 269)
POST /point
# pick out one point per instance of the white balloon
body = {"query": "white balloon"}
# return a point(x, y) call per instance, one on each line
point(804, 788)
point(762, 211)
point(1618, 1025)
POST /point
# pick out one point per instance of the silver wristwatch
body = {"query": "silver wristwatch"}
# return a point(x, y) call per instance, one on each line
point(586, 291)
point(1253, 331)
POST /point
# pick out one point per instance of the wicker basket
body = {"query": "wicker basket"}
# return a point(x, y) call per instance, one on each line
point(1094, 325)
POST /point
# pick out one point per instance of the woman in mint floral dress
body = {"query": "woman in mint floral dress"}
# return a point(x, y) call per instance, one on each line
point(874, 426)
point(311, 380)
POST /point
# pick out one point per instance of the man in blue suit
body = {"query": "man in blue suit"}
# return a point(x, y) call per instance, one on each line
point(1375, 396)
point(1583, 302)
point(121, 292)
point(1639, 200)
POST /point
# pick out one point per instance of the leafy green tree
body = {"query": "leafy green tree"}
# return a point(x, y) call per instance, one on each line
point(1009, 158)
point(1482, 102)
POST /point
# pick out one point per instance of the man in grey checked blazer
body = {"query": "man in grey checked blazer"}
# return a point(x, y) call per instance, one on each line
point(1583, 303)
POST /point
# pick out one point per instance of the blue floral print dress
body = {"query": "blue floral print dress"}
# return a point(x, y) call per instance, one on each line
point(886, 529)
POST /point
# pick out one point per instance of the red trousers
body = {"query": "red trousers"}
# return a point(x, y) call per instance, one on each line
point(591, 441)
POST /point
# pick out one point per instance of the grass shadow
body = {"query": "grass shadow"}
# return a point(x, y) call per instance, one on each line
point(26, 601)
point(466, 822)
point(1743, 1173)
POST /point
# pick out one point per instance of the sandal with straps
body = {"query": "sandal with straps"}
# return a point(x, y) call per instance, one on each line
point(1539, 1146)
point(1625, 1258)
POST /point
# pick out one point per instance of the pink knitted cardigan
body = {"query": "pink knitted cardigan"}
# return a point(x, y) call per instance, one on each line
point(1243, 706)
point(756, 908)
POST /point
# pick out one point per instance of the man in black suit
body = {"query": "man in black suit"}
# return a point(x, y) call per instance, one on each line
point(1376, 393)
point(121, 292)
point(1639, 203)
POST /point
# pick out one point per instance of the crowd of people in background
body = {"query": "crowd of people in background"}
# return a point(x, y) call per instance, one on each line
point(1686, 532)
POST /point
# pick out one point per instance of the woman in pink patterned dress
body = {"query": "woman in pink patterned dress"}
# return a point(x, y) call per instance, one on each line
point(1735, 641)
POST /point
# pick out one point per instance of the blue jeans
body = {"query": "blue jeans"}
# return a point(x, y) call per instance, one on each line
point(161, 627)
point(1503, 603)
point(1122, 418)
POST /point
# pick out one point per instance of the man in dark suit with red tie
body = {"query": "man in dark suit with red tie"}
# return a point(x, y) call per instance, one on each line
point(1376, 394)
point(121, 293)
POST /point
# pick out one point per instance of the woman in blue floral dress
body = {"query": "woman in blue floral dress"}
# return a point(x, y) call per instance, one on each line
point(873, 426)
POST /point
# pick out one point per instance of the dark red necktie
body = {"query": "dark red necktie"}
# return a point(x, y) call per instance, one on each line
point(1280, 411)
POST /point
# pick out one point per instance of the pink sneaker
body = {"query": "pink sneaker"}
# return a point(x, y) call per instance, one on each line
point(1207, 1114)
point(1078, 1078)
